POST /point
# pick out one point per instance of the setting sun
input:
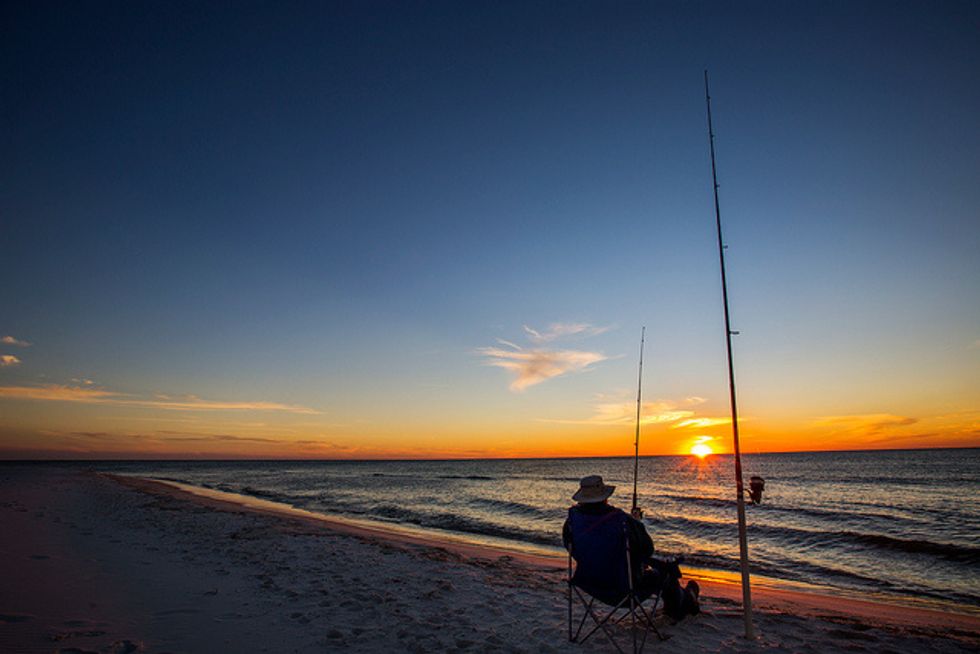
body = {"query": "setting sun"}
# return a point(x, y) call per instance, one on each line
point(701, 450)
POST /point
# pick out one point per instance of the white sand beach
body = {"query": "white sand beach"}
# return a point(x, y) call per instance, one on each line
point(91, 563)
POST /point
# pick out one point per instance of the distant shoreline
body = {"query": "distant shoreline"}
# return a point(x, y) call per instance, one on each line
point(129, 459)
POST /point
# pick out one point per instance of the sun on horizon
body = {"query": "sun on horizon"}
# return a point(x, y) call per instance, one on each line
point(701, 450)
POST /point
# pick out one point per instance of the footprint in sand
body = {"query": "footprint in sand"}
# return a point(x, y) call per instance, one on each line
point(92, 633)
point(851, 635)
point(232, 616)
point(169, 612)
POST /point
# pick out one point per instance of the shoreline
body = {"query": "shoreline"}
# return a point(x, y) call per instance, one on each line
point(714, 583)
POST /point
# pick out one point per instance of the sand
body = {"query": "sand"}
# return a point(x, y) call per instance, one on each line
point(93, 563)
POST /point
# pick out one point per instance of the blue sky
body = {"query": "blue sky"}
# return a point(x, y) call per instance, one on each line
point(341, 206)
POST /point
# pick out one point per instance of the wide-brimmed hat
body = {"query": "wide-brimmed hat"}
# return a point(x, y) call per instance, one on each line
point(591, 490)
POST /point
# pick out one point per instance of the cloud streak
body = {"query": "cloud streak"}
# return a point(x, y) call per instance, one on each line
point(868, 424)
point(650, 413)
point(531, 367)
point(8, 360)
point(559, 330)
point(665, 412)
point(88, 395)
point(10, 340)
point(701, 423)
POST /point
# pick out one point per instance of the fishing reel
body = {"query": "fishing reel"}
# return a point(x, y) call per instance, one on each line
point(637, 513)
point(756, 486)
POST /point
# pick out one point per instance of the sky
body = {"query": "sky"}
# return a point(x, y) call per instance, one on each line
point(435, 229)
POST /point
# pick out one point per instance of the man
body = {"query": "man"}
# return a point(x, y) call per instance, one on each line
point(593, 533)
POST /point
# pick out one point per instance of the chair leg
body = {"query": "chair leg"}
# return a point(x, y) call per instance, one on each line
point(639, 616)
point(653, 613)
point(570, 638)
point(633, 606)
point(600, 623)
point(585, 616)
point(648, 618)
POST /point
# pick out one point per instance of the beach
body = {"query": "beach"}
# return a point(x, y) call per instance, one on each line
point(98, 563)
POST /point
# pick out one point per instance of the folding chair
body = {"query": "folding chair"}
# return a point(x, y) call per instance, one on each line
point(616, 591)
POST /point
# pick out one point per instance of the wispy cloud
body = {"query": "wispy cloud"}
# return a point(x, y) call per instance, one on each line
point(10, 340)
point(872, 423)
point(192, 403)
point(537, 364)
point(559, 330)
point(514, 346)
point(57, 393)
point(7, 360)
point(167, 443)
point(650, 412)
point(700, 423)
point(185, 437)
point(613, 412)
point(532, 367)
point(89, 395)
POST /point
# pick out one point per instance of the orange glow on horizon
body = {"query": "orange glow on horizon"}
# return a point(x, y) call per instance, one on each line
point(51, 421)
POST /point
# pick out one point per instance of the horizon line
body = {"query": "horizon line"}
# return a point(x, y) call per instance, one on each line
point(450, 459)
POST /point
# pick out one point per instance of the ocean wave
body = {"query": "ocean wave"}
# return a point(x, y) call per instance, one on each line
point(514, 508)
point(796, 568)
point(800, 539)
point(455, 522)
point(425, 477)
point(949, 551)
point(872, 514)
point(262, 493)
point(832, 514)
point(698, 500)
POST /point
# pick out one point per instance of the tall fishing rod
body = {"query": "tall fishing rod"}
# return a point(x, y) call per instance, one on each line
point(636, 511)
point(742, 539)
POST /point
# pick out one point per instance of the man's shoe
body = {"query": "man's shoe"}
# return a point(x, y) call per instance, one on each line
point(692, 593)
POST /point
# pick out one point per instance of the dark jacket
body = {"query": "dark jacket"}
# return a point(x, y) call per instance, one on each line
point(594, 535)
point(640, 542)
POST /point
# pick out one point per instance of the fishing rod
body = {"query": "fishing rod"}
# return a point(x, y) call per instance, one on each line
point(740, 492)
point(636, 511)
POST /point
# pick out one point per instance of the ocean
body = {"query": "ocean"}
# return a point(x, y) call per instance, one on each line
point(900, 526)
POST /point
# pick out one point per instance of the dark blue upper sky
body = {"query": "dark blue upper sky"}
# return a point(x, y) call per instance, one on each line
point(219, 198)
